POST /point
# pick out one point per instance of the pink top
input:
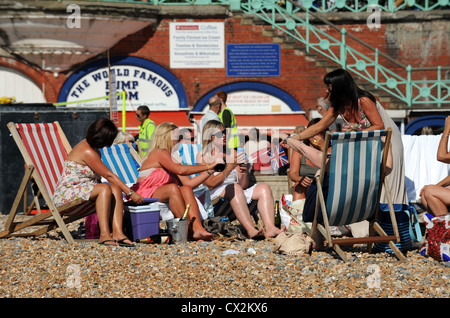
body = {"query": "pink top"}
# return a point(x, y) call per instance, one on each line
point(157, 178)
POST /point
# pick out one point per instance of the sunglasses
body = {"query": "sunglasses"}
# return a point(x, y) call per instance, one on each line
point(220, 134)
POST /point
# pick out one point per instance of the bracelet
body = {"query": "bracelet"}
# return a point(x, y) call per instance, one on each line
point(207, 171)
point(285, 139)
point(130, 193)
point(445, 136)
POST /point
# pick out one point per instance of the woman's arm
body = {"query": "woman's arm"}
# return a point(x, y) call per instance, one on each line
point(370, 109)
point(164, 159)
point(93, 159)
point(321, 126)
point(294, 167)
point(314, 155)
point(442, 154)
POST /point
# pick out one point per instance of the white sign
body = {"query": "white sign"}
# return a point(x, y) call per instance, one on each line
point(197, 45)
point(254, 102)
point(142, 86)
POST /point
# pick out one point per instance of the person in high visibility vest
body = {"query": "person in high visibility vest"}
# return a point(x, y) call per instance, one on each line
point(146, 129)
point(229, 121)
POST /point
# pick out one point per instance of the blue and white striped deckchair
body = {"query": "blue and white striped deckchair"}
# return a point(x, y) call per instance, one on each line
point(119, 159)
point(356, 172)
point(188, 154)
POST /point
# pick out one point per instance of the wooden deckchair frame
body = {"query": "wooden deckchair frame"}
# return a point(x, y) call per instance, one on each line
point(373, 224)
point(52, 219)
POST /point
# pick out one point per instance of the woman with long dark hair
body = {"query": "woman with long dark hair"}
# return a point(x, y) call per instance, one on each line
point(360, 111)
point(80, 178)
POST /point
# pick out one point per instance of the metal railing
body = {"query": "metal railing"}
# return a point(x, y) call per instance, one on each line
point(319, 5)
point(385, 73)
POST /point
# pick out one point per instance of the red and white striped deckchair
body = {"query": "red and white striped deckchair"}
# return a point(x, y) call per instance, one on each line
point(44, 148)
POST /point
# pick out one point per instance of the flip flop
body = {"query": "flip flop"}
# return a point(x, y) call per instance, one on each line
point(122, 243)
point(258, 237)
point(109, 244)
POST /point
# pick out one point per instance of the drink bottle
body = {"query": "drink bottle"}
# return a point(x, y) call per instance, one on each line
point(277, 214)
point(188, 206)
point(157, 239)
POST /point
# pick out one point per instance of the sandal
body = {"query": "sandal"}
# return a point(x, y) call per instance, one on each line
point(105, 242)
point(124, 244)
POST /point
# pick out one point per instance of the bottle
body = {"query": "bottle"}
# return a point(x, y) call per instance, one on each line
point(165, 238)
point(81, 231)
point(188, 206)
point(277, 214)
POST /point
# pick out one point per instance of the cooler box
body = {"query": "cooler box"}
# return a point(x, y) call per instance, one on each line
point(141, 220)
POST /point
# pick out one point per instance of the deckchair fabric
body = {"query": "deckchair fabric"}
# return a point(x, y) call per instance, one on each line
point(354, 176)
point(44, 145)
point(44, 148)
point(119, 160)
point(356, 172)
point(188, 154)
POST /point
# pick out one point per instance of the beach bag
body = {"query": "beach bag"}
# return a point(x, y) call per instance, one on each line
point(437, 243)
point(91, 226)
point(296, 223)
point(293, 244)
point(407, 223)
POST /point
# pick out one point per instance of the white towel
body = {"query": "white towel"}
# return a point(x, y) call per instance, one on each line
point(421, 165)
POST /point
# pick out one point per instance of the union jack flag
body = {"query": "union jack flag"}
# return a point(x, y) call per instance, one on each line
point(278, 157)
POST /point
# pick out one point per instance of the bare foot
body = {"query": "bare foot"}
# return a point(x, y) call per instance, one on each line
point(202, 235)
point(254, 232)
point(274, 231)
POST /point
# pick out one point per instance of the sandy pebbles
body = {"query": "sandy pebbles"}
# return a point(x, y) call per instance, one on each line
point(48, 267)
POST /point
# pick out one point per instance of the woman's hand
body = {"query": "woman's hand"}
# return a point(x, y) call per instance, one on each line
point(136, 197)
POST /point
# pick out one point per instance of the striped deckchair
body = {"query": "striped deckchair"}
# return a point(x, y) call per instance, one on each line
point(123, 161)
point(44, 148)
point(188, 154)
point(356, 173)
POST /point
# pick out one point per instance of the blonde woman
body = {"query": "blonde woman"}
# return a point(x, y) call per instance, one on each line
point(158, 179)
point(232, 183)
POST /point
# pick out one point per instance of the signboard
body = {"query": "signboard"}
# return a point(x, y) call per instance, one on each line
point(197, 45)
point(253, 59)
point(254, 102)
point(145, 82)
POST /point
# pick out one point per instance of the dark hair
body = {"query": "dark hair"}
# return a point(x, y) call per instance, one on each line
point(222, 95)
point(101, 133)
point(144, 110)
point(344, 90)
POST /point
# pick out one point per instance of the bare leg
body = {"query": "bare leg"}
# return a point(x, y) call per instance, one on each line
point(238, 202)
point(117, 217)
point(263, 194)
point(101, 194)
point(198, 231)
point(171, 193)
point(436, 199)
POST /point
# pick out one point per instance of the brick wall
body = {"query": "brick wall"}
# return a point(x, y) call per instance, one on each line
point(419, 43)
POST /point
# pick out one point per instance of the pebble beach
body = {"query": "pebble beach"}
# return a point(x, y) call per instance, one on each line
point(49, 267)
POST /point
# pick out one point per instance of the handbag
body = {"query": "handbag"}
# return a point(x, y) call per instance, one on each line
point(293, 244)
point(407, 224)
point(437, 243)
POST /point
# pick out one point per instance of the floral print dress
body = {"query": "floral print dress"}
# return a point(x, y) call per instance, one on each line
point(76, 181)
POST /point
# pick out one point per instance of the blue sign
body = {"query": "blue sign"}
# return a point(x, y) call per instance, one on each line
point(250, 60)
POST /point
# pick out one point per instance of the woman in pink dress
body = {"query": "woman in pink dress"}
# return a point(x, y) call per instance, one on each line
point(81, 179)
point(158, 179)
